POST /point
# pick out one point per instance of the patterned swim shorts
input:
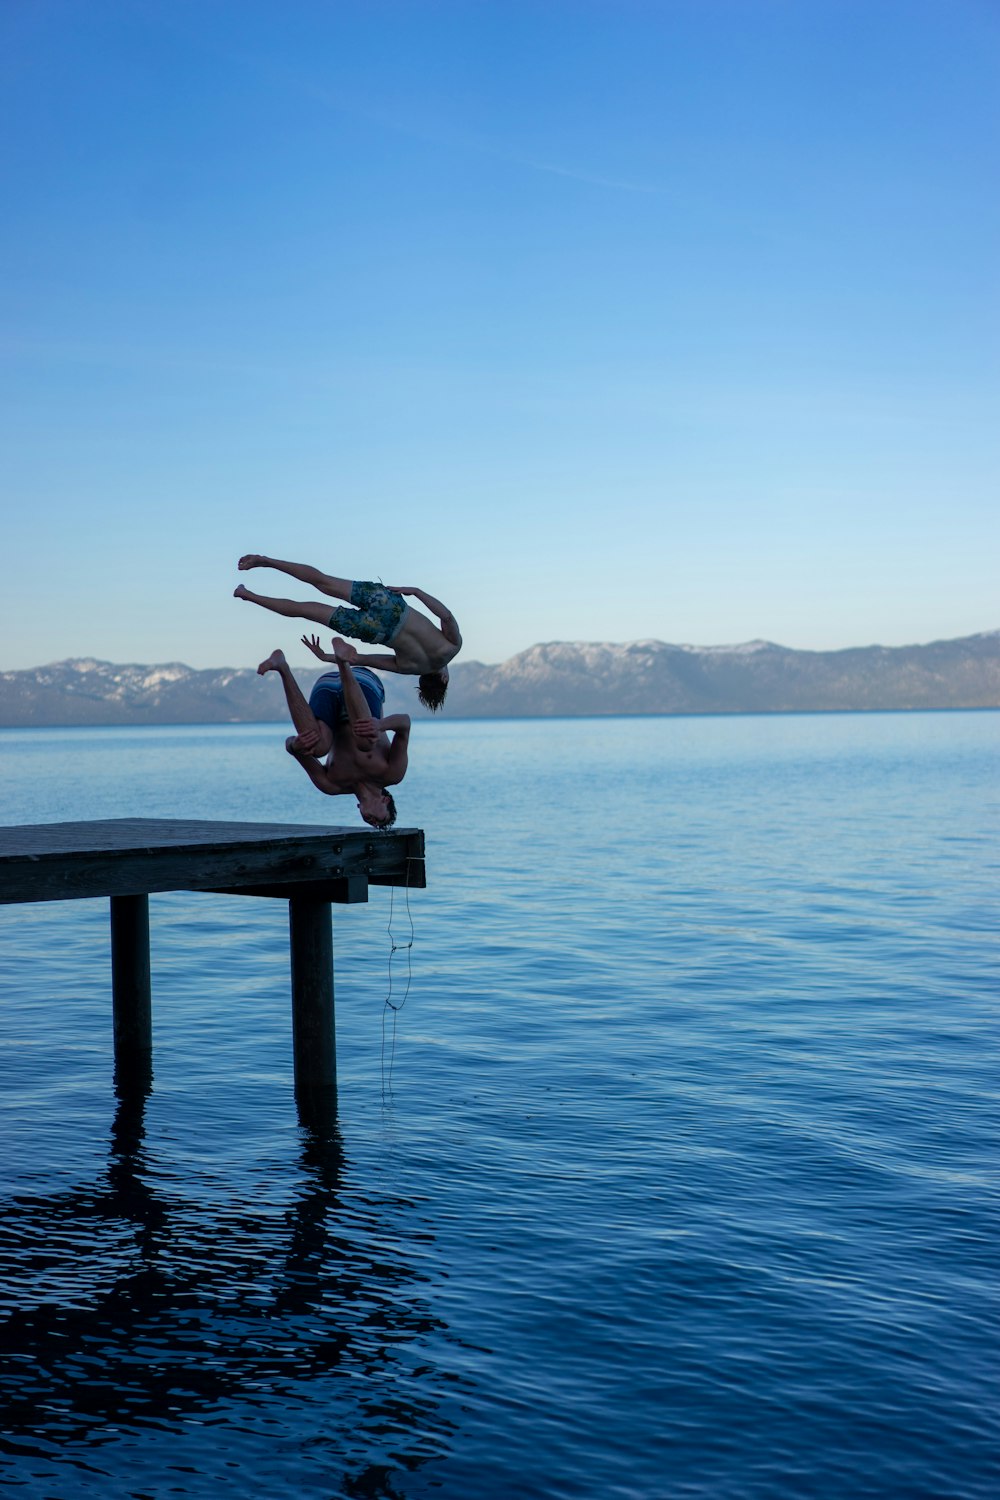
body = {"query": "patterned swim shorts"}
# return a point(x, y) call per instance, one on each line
point(376, 616)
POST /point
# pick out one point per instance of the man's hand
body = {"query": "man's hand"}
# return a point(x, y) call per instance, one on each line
point(393, 589)
point(312, 641)
point(366, 731)
point(304, 743)
point(343, 651)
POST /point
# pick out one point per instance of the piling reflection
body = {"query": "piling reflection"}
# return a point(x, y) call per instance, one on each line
point(129, 1306)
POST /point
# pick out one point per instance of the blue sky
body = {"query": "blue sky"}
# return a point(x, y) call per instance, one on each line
point(600, 319)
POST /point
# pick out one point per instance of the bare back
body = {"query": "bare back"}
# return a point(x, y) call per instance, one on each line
point(420, 646)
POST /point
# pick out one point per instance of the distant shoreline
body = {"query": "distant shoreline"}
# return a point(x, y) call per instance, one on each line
point(438, 719)
point(556, 680)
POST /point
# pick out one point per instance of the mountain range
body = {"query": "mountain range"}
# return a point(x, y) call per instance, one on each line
point(556, 679)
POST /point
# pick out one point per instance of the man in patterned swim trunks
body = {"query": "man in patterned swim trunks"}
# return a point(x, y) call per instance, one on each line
point(381, 616)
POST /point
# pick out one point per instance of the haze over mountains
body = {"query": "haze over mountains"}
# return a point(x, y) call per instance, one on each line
point(557, 679)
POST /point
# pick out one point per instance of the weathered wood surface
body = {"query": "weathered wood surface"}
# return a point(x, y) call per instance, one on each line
point(346, 892)
point(134, 856)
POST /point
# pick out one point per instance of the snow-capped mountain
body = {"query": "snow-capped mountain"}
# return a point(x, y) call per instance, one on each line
point(558, 678)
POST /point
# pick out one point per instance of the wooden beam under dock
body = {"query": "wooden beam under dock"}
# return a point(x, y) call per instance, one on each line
point(127, 859)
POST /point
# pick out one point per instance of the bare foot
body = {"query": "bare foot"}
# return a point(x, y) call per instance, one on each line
point(241, 592)
point(274, 663)
point(252, 560)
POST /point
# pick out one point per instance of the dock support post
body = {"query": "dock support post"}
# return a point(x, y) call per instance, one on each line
point(130, 988)
point(314, 1045)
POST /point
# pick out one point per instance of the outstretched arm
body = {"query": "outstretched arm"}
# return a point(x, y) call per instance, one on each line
point(312, 641)
point(378, 661)
point(447, 621)
point(342, 651)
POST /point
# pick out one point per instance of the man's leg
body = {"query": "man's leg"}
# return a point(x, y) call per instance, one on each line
point(355, 702)
point(337, 588)
point(318, 737)
point(292, 609)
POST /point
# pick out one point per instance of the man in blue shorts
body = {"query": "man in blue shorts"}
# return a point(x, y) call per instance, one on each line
point(380, 616)
point(343, 721)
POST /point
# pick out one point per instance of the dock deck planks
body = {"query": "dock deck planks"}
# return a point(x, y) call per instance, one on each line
point(127, 859)
point(136, 856)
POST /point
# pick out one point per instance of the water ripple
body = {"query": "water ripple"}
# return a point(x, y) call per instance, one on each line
point(683, 1185)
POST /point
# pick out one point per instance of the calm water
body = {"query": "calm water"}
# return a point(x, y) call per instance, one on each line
point(683, 1182)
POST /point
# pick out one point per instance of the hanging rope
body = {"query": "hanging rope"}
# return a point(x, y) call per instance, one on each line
point(391, 1004)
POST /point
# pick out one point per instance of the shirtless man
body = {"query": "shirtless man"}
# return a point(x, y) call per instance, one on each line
point(342, 720)
point(381, 616)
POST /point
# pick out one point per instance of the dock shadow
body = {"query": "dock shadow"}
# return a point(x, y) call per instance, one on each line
point(131, 1306)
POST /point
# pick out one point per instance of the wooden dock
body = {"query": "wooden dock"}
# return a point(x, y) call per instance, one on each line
point(127, 859)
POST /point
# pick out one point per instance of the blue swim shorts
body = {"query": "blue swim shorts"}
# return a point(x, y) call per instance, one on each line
point(376, 617)
point(327, 697)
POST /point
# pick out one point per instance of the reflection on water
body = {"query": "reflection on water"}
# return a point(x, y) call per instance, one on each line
point(684, 1186)
point(132, 1306)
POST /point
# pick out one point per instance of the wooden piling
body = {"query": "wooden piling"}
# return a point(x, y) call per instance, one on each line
point(126, 858)
point(131, 998)
point(314, 1048)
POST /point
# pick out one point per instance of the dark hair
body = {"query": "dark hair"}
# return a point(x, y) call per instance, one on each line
point(390, 816)
point(431, 688)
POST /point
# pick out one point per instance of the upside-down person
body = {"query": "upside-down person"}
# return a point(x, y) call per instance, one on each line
point(343, 722)
point(380, 617)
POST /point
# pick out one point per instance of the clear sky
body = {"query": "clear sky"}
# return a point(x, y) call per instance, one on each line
point(600, 319)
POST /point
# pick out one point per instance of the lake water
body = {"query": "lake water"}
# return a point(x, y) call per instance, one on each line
point(682, 1182)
